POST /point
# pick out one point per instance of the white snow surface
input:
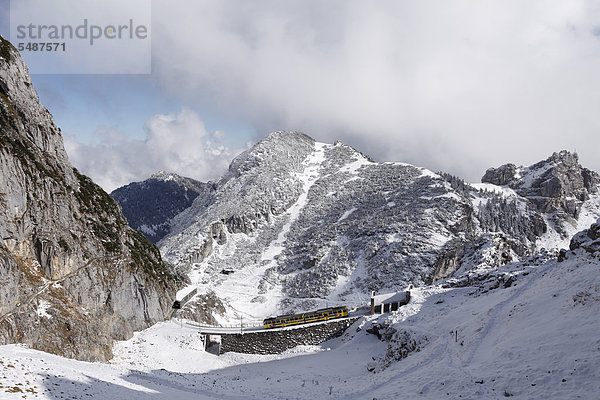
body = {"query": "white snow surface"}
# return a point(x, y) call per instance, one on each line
point(505, 191)
point(42, 309)
point(347, 214)
point(537, 339)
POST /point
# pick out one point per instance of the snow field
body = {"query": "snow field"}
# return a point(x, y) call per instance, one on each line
point(537, 339)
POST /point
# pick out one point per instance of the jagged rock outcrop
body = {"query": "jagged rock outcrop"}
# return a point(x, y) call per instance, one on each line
point(74, 277)
point(401, 343)
point(558, 185)
point(501, 176)
point(588, 239)
point(150, 205)
point(202, 308)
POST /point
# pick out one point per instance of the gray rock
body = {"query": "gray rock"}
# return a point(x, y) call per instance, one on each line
point(74, 276)
point(557, 186)
point(401, 343)
point(202, 309)
point(588, 239)
point(501, 176)
point(594, 231)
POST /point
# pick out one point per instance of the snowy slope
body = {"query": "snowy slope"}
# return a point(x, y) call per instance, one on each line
point(528, 330)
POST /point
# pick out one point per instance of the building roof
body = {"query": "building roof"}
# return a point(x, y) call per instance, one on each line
point(390, 298)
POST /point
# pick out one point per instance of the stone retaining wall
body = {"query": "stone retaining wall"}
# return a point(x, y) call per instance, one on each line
point(273, 342)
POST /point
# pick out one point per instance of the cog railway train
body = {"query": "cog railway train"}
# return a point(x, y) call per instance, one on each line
point(323, 314)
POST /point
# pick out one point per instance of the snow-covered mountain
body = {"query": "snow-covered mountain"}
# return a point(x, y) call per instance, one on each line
point(558, 189)
point(526, 330)
point(297, 224)
point(300, 223)
point(150, 205)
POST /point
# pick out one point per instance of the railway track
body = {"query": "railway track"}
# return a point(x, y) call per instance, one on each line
point(232, 330)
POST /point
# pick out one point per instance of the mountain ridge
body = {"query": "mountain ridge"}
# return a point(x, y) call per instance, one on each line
point(149, 205)
point(361, 226)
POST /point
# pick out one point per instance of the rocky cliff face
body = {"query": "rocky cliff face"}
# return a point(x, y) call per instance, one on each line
point(74, 276)
point(150, 205)
point(557, 187)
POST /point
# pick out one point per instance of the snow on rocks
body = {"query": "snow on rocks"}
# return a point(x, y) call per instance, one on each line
point(42, 309)
point(535, 338)
point(276, 218)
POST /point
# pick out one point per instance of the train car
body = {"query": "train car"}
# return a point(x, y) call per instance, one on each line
point(323, 314)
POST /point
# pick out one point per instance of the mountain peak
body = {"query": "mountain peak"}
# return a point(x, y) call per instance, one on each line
point(278, 148)
point(19, 99)
point(163, 175)
point(150, 204)
point(287, 135)
point(558, 184)
point(564, 156)
point(560, 165)
point(7, 50)
point(167, 176)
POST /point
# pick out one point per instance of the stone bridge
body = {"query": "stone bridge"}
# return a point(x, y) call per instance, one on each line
point(268, 341)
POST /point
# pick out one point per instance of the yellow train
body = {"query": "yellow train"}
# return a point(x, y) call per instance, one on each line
point(323, 314)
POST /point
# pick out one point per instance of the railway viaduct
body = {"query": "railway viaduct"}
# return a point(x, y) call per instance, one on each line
point(256, 340)
point(279, 340)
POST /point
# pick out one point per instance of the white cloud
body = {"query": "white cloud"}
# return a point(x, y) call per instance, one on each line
point(176, 143)
point(452, 85)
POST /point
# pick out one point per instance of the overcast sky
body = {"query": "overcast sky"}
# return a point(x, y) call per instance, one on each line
point(457, 86)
